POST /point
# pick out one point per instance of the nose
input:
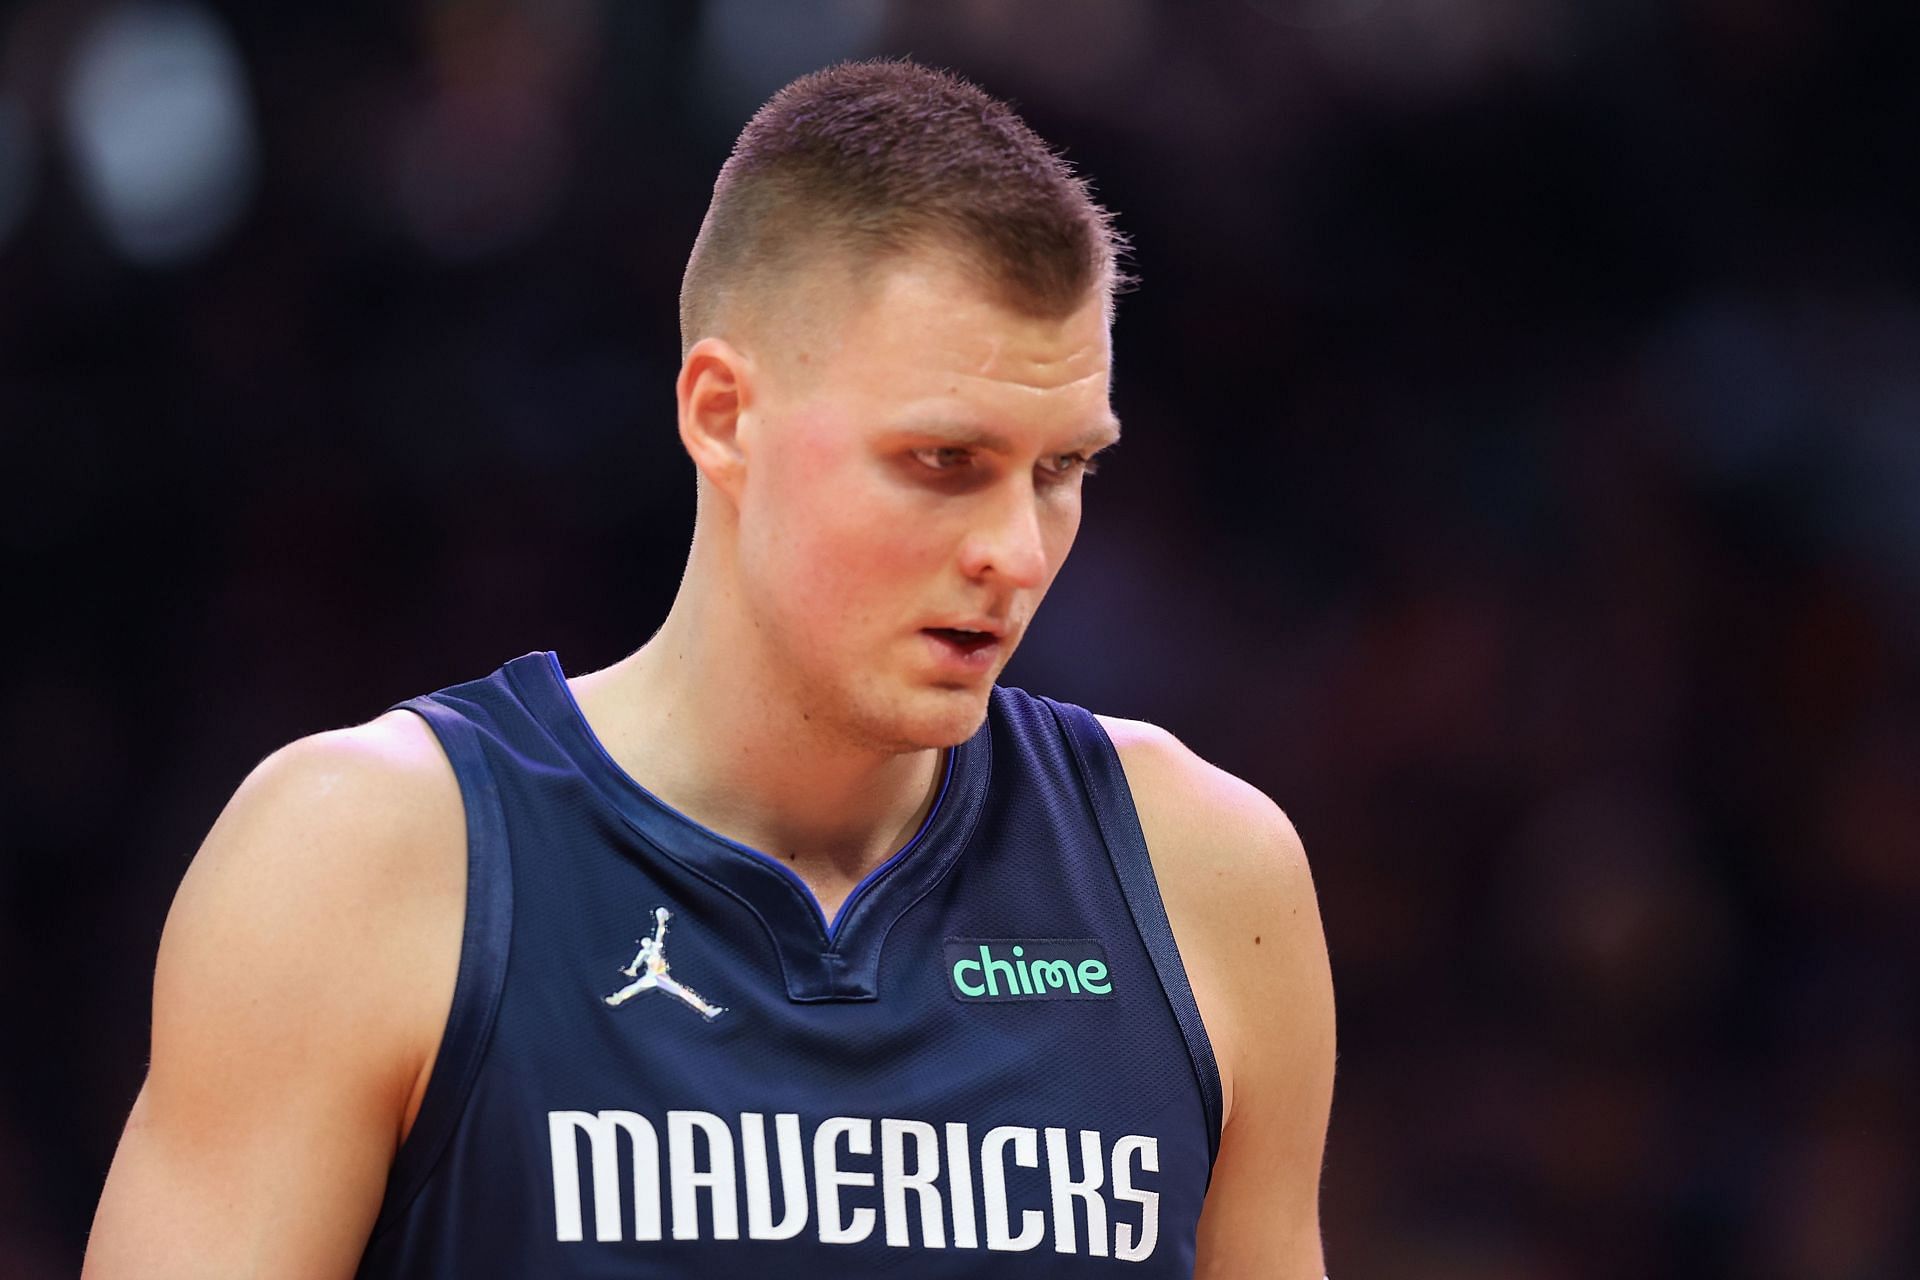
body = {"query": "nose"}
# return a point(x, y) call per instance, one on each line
point(1008, 541)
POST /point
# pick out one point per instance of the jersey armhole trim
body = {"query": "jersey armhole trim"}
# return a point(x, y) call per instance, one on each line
point(484, 941)
point(1098, 764)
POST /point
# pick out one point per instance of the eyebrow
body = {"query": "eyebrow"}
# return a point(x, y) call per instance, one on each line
point(1102, 434)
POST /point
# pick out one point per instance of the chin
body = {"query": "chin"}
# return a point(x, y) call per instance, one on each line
point(936, 718)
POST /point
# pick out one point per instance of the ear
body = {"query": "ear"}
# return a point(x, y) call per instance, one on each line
point(715, 391)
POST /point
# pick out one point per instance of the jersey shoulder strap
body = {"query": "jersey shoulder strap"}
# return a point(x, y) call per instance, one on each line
point(483, 954)
point(1098, 764)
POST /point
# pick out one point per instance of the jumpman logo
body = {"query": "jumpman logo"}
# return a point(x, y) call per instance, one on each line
point(649, 971)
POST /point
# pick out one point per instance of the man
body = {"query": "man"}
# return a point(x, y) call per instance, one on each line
point(931, 923)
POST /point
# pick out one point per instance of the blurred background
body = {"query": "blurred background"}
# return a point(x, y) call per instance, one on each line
point(1521, 484)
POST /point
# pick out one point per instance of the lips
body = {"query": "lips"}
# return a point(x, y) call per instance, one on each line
point(964, 639)
point(968, 653)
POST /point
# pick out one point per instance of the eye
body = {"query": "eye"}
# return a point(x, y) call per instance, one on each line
point(943, 457)
point(1061, 466)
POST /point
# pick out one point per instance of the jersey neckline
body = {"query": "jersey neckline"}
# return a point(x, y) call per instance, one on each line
point(822, 959)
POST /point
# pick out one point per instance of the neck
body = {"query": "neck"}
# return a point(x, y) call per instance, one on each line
point(699, 718)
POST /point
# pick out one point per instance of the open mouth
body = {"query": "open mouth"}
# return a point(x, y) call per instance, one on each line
point(965, 642)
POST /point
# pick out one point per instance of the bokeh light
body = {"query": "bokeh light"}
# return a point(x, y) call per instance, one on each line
point(160, 129)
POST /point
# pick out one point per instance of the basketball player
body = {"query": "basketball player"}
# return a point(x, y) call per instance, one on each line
point(959, 981)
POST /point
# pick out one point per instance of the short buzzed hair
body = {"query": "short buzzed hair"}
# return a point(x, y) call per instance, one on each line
point(871, 161)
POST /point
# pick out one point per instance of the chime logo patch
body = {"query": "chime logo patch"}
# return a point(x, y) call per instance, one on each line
point(984, 970)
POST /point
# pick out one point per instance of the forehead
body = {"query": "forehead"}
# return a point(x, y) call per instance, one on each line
point(923, 325)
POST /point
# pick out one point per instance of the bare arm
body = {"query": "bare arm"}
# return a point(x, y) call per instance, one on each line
point(303, 980)
point(1240, 898)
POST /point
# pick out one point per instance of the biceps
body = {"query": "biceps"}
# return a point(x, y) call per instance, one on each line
point(250, 1194)
point(1262, 1215)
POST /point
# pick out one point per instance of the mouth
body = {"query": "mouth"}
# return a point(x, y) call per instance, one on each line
point(967, 649)
point(962, 639)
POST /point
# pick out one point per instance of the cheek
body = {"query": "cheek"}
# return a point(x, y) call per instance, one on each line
point(1059, 526)
point(830, 537)
point(1061, 529)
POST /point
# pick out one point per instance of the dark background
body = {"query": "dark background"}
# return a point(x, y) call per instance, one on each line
point(1521, 484)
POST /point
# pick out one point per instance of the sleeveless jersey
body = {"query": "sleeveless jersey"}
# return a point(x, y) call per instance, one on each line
point(663, 1061)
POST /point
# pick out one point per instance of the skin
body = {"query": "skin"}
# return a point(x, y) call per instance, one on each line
point(308, 963)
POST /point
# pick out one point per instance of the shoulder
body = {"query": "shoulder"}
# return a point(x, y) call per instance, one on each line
point(337, 820)
point(386, 781)
point(1221, 847)
point(1239, 895)
point(324, 908)
point(1198, 804)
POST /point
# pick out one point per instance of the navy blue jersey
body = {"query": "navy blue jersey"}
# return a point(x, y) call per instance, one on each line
point(662, 1060)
